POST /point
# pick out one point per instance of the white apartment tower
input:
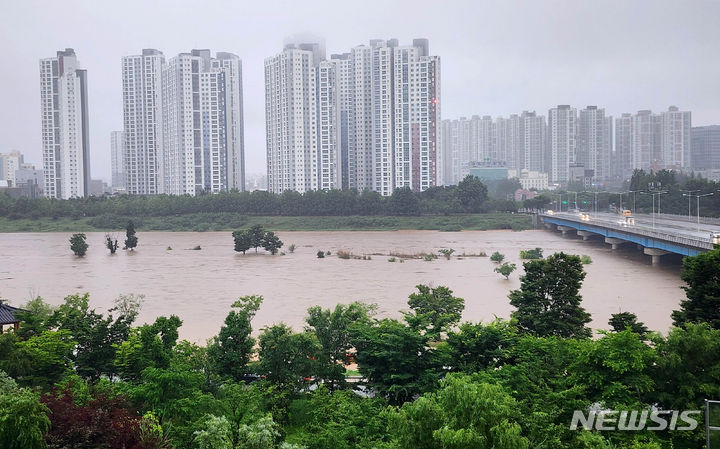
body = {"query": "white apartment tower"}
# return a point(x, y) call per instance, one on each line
point(291, 118)
point(183, 123)
point(202, 123)
point(65, 136)
point(117, 160)
point(142, 122)
point(675, 138)
point(366, 119)
point(561, 149)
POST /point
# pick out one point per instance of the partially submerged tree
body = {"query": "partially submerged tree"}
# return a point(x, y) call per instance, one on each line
point(131, 241)
point(78, 245)
point(505, 269)
point(111, 243)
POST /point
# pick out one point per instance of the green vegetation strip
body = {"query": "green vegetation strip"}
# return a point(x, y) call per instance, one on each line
point(226, 221)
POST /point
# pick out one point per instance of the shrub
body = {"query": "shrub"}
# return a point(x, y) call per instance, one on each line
point(447, 252)
point(197, 248)
point(291, 248)
point(531, 254)
point(585, 259)
point(78, 245)
point(344, 254)
point(497, 257)
point(392, 259)
point(505, 269)
point(321, 254)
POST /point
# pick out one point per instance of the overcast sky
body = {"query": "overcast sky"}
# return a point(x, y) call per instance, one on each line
point(497, 58)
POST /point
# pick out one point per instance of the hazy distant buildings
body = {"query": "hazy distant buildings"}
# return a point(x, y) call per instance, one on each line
point(117, 160)
point(366, 119)
point(594, 141)
point(623, 155)
point(562, 138)
point(705, 142)
point(65, 136)
point(183, 123)
point(9, 164)
point(675, 138)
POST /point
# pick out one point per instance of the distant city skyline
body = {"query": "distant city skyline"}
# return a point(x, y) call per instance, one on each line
point(498, 58)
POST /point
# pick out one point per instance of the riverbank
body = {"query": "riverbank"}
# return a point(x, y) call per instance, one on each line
point(225, 221)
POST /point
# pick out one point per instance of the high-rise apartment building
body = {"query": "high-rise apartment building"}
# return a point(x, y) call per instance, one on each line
point(117, 160)
point(366, 119)
point(594, 144)
point(561, 136)
point(183, 123)
point(291, 118)
point(675, 139)
point(9, 164)
point(142, 123)
point(706, 147)
point(623, 154)
point(65, 134)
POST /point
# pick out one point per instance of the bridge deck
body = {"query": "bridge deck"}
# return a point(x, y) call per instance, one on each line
point(677, 236)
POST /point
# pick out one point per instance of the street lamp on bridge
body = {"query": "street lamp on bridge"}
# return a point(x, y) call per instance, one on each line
point(698, 204)
point(689, 195)
point(654, 194)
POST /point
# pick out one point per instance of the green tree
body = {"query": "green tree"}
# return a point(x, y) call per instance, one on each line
point(472, 194)
point(332, 329)
point(701, 273)
point(147, 346)
point(111, 243)
point(434, 310)
point(38, 361)
point(131, 241)
point(548, 302)
point(96, 335)
point(476, 347)
point(242, 241)
point(23, 418)
point(230, 352)
point(624, 320)
point(287, 358)
point(256, 234)
point(404, 202)
point(497, 257)
point(271, 242)
point(34, 318)
point(447, 252)
point(393, 357)
point(216, 434)
point(462, 414)
point(78, 245)
point(505, 269)
point(262, 434)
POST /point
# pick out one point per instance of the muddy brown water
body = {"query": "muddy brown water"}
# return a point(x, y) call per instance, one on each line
point(199, 286)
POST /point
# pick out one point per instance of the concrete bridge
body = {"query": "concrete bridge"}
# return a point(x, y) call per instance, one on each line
point(656, 235)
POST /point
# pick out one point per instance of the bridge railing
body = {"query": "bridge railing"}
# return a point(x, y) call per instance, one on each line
point(693, 242)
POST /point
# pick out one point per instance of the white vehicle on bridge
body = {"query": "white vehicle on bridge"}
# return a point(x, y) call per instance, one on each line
point(715, 237)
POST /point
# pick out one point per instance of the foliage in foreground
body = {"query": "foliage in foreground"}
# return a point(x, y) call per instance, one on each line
point(73, 377)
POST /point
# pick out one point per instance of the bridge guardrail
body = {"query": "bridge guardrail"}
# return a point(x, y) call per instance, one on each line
point(686, 241)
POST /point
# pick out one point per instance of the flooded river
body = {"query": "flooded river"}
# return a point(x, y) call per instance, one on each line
point(199, 286)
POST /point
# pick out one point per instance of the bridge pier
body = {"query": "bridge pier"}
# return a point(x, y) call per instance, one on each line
point(655, 253)
point(564, 229)
point(614, 242)
point(585, 234)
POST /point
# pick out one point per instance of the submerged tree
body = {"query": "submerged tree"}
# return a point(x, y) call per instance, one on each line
point(505, 269)
point(78, 245)
point(242, 241)
point(111, 243)
point(131, 241)
point(271, 242)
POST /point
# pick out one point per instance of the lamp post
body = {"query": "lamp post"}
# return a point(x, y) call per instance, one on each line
point(689, 195)
point(653, 208)
point(634, 192)
point(621, 197)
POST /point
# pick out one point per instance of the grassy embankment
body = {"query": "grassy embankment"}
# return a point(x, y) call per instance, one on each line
point(232, 221)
